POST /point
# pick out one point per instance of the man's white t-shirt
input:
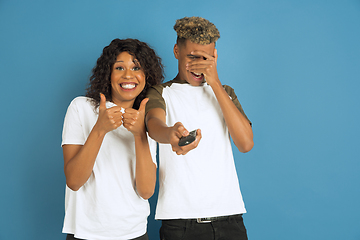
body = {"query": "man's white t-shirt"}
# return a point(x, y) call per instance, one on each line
point(204, 182)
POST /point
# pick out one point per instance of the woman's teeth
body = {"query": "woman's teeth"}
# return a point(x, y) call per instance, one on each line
point(128, 85)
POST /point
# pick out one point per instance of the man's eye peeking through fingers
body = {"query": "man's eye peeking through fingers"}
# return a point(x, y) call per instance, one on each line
point(194, 57)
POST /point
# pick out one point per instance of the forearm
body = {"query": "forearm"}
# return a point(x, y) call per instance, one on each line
point(238, 126)
point(145, 176)
point(156, 125)
point(79, 161)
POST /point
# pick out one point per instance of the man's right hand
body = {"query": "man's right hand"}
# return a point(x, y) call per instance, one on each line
point(176, 132)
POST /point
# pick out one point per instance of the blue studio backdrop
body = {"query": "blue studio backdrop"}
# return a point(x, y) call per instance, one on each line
point(295, 66)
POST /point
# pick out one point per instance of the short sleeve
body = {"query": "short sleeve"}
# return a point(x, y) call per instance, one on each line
point(73, 128)
point(235, 100)
point(155, 99)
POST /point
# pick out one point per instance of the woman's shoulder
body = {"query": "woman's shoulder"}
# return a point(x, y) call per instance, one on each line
point(82, 102)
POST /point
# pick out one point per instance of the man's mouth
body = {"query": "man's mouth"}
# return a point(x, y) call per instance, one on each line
point(197, 76)
point(128, 86)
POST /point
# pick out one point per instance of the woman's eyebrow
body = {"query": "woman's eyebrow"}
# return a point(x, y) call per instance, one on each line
point(136, 61)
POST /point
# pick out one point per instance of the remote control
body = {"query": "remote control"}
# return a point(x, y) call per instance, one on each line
point(188, 139)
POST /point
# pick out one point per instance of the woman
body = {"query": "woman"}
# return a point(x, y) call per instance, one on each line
point(110, 168)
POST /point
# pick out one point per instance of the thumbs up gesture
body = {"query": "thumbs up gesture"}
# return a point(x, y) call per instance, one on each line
point(109, 118)
point(133, 120)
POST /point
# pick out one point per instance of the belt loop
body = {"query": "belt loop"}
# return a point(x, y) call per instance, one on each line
point(189, 224)
point(192, 223)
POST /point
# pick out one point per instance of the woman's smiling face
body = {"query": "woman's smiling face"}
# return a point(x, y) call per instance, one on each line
point(127, 80)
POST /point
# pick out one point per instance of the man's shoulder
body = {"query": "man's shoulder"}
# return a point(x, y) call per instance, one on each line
point(159, 88)
point(155, 94)
point(174, 81)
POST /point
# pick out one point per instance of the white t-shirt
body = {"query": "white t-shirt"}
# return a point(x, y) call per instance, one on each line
point(107, 206)
point(204, 182)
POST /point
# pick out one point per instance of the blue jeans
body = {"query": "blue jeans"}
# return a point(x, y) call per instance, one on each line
point(229, 228)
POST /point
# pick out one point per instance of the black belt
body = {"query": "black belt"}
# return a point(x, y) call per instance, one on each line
point(212, 219)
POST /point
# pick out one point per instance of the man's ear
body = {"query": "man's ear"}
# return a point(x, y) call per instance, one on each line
point(176, 51)
point(215, 55)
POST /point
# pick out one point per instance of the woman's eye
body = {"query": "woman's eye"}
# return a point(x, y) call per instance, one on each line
point(136, 68)
point(119, 68)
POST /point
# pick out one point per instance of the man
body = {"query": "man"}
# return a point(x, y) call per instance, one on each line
point(199, 195)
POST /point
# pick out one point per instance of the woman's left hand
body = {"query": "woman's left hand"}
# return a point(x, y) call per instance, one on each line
point(133, 120)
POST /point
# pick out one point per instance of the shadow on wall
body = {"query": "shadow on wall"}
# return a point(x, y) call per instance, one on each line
point(154, 225)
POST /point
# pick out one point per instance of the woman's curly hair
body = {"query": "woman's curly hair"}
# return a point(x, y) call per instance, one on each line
point(100, 81)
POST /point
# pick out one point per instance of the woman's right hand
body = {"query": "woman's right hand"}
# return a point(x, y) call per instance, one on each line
point(109, 118)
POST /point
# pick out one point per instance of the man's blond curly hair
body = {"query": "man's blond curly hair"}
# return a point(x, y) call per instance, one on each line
point(197, 30)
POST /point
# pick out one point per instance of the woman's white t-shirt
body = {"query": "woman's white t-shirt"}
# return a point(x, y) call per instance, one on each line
point(107, 206)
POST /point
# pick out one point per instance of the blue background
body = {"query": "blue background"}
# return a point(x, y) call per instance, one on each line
point(295, 66)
